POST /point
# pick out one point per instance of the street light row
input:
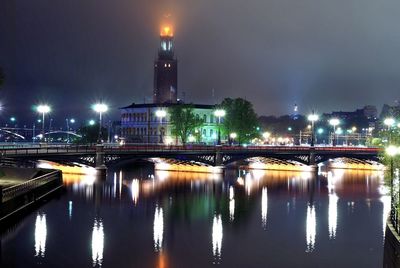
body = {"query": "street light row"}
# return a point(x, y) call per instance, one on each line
point(99, 108)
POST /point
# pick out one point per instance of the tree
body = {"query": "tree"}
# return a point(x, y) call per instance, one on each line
point(183, 121)
point(90, 134)
point(240, 118)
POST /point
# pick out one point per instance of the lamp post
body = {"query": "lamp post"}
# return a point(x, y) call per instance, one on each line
point(334, 122)
point(100, 108)
point(219, 113)
point(69, 121)
point(161, 114)
point(389, 122)
point(233, 136)
point(313, 118)
point(392, 151)
point(43, 109)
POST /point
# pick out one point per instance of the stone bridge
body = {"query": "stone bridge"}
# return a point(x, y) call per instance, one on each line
point(100, 155)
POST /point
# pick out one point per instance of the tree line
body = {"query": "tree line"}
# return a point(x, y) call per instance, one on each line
point(240, 118)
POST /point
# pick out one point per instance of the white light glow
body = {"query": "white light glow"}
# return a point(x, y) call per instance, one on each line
point(135, 189)
point(100, 108)
point(231, 203)
point(158, 228)
point(332, 215)
point(264, 207)
point(43, 109)
point(217, 234)
point(313, 117)
point(97, 243)
point(40, 235)
point(161, 113)
point(334, 122)
point(311, 228)
point(219, 113)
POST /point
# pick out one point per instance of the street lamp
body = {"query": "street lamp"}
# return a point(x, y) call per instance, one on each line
point(392, 151)
point(100, 108)
point(233, 136)
point(219, 113)
point(72, 121)
point(334, 122)
point(313, 118)
point(389, 122)
point(161, 114)
point(43, 109)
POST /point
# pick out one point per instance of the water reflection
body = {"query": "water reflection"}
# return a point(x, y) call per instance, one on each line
point(158, 228)
point(231, 203)
point(311, 228)
point(177, 208)
point(97, 242)
point(217, 238)
point(135, 188)
point(264, 207)
point(40, 235)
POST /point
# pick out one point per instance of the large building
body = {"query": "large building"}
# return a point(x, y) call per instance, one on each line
point(150, 122)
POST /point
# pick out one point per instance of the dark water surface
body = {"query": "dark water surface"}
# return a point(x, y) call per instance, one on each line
point(142, 218)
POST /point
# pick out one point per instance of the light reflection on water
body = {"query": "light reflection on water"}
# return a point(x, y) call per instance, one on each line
point(97, 243)
point(205, 211)
point(40, 235)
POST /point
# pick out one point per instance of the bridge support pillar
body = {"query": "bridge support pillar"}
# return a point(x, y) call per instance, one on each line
point(100, 161)
point(218, 158)
point(311, 159)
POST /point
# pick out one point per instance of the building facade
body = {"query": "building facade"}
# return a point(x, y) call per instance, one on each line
point(141, 123)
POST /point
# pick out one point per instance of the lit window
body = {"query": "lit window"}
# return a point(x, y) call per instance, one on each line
point(169, 65)
point(165, 65)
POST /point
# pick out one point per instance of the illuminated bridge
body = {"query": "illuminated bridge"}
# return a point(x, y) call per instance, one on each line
point(99, 155)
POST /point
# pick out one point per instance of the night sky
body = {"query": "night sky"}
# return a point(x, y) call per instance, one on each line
point(322, 54)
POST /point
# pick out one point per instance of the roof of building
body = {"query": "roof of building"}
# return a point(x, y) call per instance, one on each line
point(154, 105)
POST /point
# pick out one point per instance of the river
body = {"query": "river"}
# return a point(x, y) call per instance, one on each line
point(139, 217)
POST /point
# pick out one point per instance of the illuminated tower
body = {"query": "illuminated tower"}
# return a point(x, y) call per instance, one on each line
point(166, 70)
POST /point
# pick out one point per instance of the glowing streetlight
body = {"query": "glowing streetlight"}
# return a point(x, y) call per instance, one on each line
point(389, 122)
point(313, 118)
point(219, 113)
point(100, 108)
point(92, 122)
point(43, 109)
point(334, 122)
point(233, 136)
point(392, 151)
point(266, 135)
point(161, 114)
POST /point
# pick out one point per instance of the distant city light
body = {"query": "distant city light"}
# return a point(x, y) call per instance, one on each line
point(289, 128)
point(320, 130)
point(72, 120)
point(92, 122)
point(233, 135)
point(13, 119)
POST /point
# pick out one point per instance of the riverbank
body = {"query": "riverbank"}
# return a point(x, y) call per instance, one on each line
point(21, 188)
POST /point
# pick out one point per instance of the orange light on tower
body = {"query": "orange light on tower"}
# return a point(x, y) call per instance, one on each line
point(167, 31)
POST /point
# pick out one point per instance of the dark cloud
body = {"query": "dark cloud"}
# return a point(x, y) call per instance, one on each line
point(327, 55)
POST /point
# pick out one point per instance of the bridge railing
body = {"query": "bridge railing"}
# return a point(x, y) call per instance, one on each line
point(20, 189)
point(43, 149)
point(67, 148)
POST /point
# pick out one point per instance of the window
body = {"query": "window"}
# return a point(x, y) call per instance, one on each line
point(205, 118)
